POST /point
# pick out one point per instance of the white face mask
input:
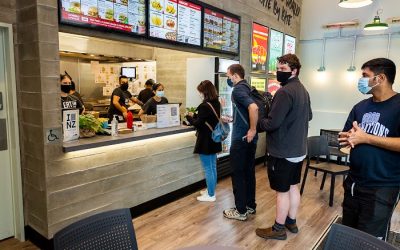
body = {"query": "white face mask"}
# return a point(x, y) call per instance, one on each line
point(363, 85)
point(201, 95)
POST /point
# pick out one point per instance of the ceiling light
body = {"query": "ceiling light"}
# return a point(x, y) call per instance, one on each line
point(321, 69)
point(354, 3)
point(376, 23)
point(351, 68)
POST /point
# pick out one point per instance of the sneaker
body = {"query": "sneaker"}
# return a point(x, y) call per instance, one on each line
point(292, 228)
point(204, 191)
point(268, 233)
point(206, 197)
point(233, 213)
point(250, 210)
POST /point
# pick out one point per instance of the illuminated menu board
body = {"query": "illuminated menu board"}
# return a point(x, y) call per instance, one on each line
point(175, 20)
point(290, 45)
point(121, 15)
point(259, 48)
point(275, 49)
point(221, 32)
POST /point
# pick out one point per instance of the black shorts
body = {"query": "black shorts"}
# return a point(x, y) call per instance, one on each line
point(283, 173)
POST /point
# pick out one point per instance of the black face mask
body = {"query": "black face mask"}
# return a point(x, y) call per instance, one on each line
point(65, 88)
point(124, 86)
point(283, 77)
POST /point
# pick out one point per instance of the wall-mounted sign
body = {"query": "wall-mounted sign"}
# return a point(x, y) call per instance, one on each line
point(284, 11)
point(290, 45)
point(121, 15)
point(175, 20)
point(259, 83)
point(259, 48)
point(275, 49)
point(221, 31)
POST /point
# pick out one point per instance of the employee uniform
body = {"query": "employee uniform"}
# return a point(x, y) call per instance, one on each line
point(124, 97)
point(145, 95)
point(150, 107)
point(71, 102)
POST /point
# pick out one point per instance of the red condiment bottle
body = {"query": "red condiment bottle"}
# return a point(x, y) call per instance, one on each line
point(129, 120)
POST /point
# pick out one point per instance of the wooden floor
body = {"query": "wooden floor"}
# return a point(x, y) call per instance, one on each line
point(187, 222)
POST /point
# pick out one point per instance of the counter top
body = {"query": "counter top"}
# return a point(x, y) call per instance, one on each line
point(100, 140)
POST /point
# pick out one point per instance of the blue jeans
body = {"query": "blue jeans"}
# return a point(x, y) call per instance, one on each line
point(209, 163)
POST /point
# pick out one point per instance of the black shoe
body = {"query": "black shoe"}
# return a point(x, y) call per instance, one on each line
point(292, 228)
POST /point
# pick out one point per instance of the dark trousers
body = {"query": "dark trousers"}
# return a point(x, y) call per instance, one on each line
point(369, 209)
point(242, 159)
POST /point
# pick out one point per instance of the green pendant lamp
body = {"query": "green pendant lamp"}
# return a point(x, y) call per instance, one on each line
point(354, 3)
point(376, 23)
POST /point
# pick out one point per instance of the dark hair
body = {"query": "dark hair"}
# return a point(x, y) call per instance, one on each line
point(122, 77)
point(63, 76)
point(237, 69)
point(72, 85)
point(208, 90)
point(149, 82)
point(155, 86)
point(292, 60)
point(382, 66)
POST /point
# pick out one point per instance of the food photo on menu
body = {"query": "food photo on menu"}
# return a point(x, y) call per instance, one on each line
point(121, 12)
point(163, 19)
point(106, 10)
point(89, 8)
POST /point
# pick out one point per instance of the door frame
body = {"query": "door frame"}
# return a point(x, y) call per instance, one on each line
point(13, 131)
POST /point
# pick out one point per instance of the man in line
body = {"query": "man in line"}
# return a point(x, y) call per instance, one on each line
point(243, 148)
point(372, 130)
point(287, 129)
point(120, 100)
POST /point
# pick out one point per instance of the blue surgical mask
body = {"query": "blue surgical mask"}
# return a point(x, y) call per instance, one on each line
point(363, 85)
point(229, 82)
point(160, 93)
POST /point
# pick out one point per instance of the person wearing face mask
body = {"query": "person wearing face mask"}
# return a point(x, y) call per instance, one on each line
point(120, 100)
point(69, 101)
point(243, 146)
point(205, 121)
point(372, 132)
point(150, 107)
point(286, 130)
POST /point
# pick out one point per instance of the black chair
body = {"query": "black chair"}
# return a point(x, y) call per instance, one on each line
point(318, 146)
point(107, 230)
point(333, 143)
point(342, 237)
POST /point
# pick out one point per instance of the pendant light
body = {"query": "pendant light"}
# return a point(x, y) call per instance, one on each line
point(354, 3)
point(376, 23)
point(322, 67)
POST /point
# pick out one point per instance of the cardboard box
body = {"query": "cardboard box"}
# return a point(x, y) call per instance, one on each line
point(148, 118)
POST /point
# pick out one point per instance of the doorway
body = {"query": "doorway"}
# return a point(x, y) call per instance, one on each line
point(11, 208)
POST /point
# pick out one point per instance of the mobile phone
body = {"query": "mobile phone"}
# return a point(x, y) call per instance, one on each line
point(244, 138)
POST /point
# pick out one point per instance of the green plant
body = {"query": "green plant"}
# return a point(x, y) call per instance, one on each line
point(89, 122)
point(191, 109)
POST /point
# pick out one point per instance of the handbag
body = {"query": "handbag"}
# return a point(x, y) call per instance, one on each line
point(221, 130)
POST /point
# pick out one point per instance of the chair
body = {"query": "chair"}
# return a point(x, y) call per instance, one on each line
point(318, 146)
point(333, 143)
point(342, 237)
point(107, 230)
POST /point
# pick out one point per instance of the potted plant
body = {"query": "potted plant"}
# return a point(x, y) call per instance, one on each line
point(89, 126)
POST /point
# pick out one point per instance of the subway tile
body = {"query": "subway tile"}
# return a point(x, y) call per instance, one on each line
point(48, 51)
point(49, 68)
point(47, 14)
point(27, 33)
point(30, 84)
point(27, 15)
point(32, 116)
point(31, 100)
point(29, 67)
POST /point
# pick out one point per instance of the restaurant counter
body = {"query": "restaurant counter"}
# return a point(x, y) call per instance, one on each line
point(100, 140)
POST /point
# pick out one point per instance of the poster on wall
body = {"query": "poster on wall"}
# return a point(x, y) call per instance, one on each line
point(275, 49)
point(290, 45)
point(258, 83)
point(221, 31)
point(121, 15)
point(175, 20)
point(259, 48)
point(273, 86)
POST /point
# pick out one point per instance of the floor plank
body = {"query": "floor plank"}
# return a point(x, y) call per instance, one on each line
point(187, 222)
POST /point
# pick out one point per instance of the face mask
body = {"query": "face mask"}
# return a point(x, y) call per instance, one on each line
point(65, 88)
point(160, 93)
point(283, 77)
point(229, 82)
point(363, 85)
point(201, 96)
point(124, 86)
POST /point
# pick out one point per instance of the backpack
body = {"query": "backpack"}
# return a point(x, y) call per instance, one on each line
point(221, 130)
point(263, 100)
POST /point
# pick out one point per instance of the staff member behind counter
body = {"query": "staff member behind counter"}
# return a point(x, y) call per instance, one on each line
point(120, 100)
point(147, 92)
point(150, 107)
point(68, 101)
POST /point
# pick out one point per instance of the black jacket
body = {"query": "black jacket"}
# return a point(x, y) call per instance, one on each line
point(204, 142)
point(287, 122)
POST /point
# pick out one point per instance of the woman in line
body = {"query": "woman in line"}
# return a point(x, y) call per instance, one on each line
point(205, 121)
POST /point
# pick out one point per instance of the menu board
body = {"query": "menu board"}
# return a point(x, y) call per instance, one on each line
point(258, 83)
point(175, 20)
point(259, 48)
point(276, 49)
point(122, 15)
point(221, 32)
point(290, 45)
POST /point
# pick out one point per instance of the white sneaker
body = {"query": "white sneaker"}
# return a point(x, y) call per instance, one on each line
point(206, 197)
point(203, 192)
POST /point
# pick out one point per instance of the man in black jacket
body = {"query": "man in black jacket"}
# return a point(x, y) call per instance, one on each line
point(287, 129)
